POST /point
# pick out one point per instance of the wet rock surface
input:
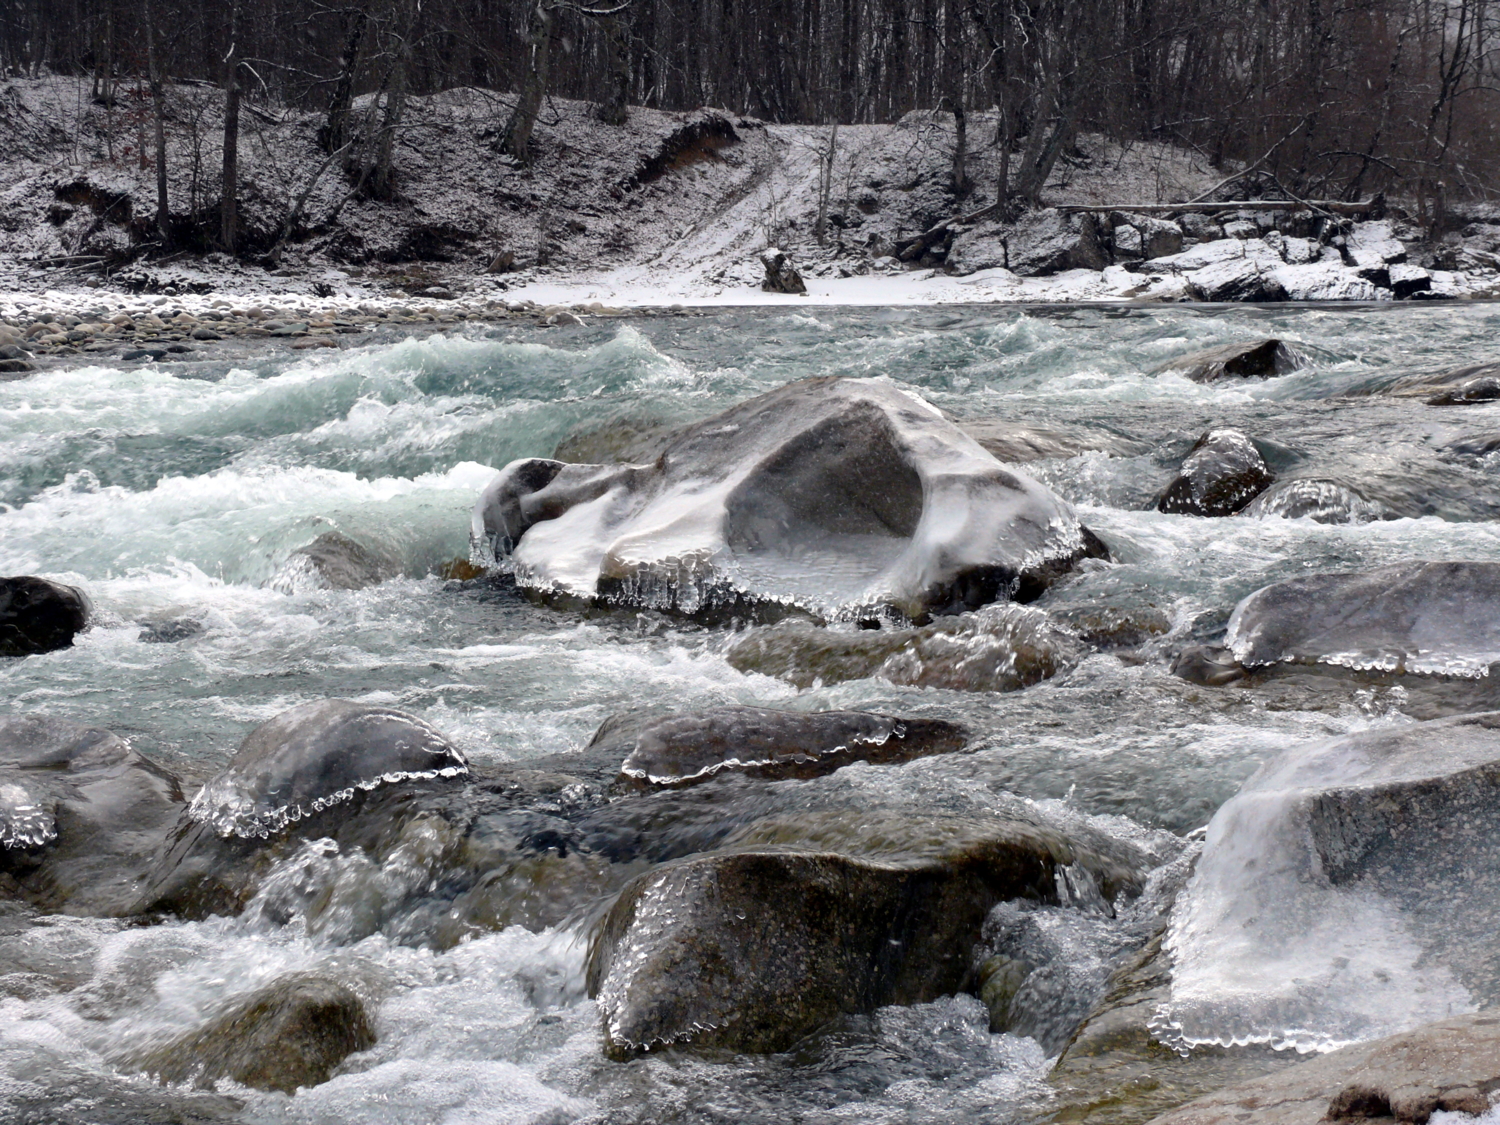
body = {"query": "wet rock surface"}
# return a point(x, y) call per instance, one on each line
point(292, 1033)
point(1221, 474)
point(833, 493)
point(691, 954)
point(1424, 618)
point(81, 815)
point(689, 749)
point(998, 648)
point(1259, 359)
point(39, 616)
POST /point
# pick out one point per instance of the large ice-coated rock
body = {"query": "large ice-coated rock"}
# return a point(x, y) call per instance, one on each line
point(837, 495)
point(751, 950)
point(1437, 618)
point(81, 815)
point(1350, 889)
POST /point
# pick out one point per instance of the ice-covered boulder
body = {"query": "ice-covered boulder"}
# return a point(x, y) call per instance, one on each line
point(1218, 253)
point(307, 774)
point(1220, 475)
point(1439, 618)
point(838, 495)
point(81, 815)
point(690, 748)
point(1235, 279)
point(1258, 359)
point(315, 756)
point(39, 616)
point(1351, 889)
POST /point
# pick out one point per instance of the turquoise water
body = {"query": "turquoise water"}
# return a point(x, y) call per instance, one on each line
point(181, 492)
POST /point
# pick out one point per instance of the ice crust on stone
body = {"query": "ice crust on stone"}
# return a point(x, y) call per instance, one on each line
point(831, 494)
point(316, 756)
point(25, 822)
point(1417, 618)
point(1348, 891)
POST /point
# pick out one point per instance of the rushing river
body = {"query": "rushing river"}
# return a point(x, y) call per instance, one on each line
point(178, 492)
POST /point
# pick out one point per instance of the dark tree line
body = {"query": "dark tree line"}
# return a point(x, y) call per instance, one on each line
point(1325, 97)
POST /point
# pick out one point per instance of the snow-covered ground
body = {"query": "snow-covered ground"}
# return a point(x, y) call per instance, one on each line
point(669, 209)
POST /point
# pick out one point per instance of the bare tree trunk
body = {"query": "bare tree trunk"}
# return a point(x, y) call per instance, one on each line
point(336, 132)
point(533, 83)
point(229, 197)
point(395, 108)
point(158, 102)
point(825, 183)
point(617, 71)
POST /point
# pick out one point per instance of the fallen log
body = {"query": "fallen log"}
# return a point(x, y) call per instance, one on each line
point(1335, 207)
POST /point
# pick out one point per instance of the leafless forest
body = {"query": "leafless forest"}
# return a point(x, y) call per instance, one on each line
point(1322, 98)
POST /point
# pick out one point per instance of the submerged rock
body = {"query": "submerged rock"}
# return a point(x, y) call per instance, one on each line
point(1484, 389)
point(336, 562)
point(752, 950)
point(287, 1035)
point(999, 648)
point(81, 815)
point(1350, 889)
point(1432, 618)
point(839, 495)
point(1452, 1065)
point(1453, 381)
point(1221, 474)
point(687, 749)
point(1260, 359)
point(1018, 443)
point(39, 616)
point(1322, 501)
